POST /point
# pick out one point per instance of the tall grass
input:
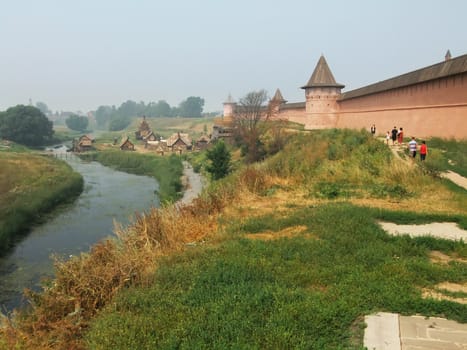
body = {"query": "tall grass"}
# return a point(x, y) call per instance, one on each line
point(167, 170)
point(31, 186)
point(450, 154)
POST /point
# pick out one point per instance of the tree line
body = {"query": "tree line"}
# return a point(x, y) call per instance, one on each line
point(112, 118)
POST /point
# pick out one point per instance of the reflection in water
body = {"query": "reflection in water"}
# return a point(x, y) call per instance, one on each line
point(108, 195)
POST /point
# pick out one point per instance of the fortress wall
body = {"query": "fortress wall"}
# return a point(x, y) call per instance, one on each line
point(296, 115)
point(433, 108)
point(450, 90)
point(444, 122)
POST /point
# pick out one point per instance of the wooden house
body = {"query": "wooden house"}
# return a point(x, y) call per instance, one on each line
point(179, 142)
point(151, 137)
point(127, 145)
point(82, 144)
point(143, 130)
point(203, 142)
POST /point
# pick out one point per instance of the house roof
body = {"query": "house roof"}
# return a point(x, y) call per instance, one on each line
point(294, 105)
point(149, 135)
point(125, 140)
point(85, 137)
point(443, 69)
point(185, 138)
point(204, 138)
point(229, 99)
point(322, 76)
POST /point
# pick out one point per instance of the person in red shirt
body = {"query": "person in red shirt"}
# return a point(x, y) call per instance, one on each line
point(423, 151)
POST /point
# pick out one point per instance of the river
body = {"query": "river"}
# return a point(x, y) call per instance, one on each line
point(108, 195)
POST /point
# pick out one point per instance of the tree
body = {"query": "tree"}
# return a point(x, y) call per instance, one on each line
point(26, 125)
point(163, 109)
point(103, 115)
point(43, 107)
point(219, 157)
point(248, 124)
point(76, 122)
point(118, 123)
point(191, 107)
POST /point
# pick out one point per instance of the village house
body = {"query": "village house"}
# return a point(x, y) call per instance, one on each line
point(126, 144)
point(151, 137)
point(430, 101)
point(202, 142)
point(143, 130)
point(179, 142)
point(82, 144)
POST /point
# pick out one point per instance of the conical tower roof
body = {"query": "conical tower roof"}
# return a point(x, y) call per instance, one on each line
point(278, 97)
point(229, 99)
point(322, 76)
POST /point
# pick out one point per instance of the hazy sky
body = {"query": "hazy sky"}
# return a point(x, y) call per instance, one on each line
point(78, 55)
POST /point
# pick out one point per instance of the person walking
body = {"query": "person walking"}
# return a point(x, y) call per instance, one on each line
point(413, 147)
point(394, 135)
point(423, 151)
point(400, 136)
point(388, 136)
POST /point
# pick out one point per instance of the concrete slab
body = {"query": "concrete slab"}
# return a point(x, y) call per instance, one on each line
point(418, 332)
point(382, 332)
point(390, 331)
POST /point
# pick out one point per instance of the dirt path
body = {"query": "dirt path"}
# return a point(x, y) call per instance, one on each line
point(193, 183)
point(456, 178)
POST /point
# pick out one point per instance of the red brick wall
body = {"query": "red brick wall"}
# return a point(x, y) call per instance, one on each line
point(435, 108)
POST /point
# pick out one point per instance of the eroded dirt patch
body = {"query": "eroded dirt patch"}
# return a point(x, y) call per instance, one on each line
point(442, 292)
point(270, 235)
point(438, 257)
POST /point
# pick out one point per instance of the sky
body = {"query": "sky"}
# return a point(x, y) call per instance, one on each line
point(79, 55)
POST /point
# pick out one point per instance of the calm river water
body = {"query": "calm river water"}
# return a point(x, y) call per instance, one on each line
point(108, 195)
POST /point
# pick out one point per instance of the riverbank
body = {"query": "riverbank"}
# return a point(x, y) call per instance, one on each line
point(167, 171)
point(30, 187)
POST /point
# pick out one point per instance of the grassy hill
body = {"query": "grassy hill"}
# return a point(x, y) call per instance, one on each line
point(286, 253)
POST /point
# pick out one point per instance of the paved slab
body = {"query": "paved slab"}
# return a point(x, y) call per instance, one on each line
point(445, 230)
point(382, 332)
point(388, 331)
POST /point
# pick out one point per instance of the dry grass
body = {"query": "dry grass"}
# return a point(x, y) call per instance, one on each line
point(86, 283)
point(285, 233)
point(440, 258)
point(442, 290)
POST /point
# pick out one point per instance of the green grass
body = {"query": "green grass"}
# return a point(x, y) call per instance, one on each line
point(451, 154)
point(297, 292)
point(31, 186)
point(167, 170)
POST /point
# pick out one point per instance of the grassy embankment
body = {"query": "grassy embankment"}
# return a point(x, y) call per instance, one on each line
point(31, 185)
point(283, 254)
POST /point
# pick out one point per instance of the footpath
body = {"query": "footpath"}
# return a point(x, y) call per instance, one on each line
point(389, 331)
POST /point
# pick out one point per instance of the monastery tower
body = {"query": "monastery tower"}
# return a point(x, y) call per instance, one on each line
point(321, 93)
point(229, 107)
